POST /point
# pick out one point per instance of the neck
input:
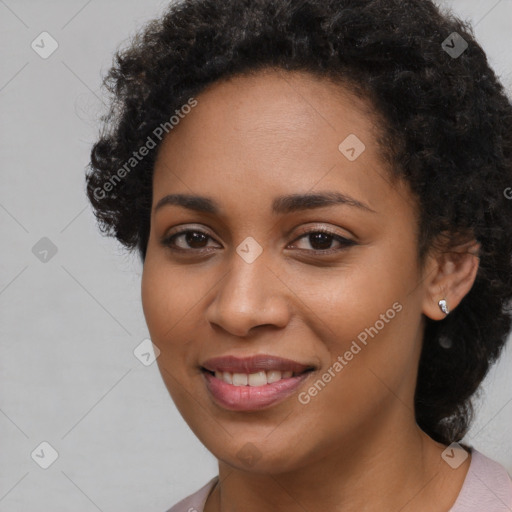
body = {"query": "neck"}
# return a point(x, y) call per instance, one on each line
point(393, 467)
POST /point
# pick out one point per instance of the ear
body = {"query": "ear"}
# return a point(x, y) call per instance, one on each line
point(450, 274)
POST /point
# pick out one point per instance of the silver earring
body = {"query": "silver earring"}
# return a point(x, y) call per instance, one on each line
point(443, 306)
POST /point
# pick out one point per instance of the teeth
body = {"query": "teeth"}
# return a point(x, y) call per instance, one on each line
point(239, 379)
point(273, 376)
point(258, 379)
point(254, 379)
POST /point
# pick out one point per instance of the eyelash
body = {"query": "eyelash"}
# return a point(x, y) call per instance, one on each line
point(345, 242)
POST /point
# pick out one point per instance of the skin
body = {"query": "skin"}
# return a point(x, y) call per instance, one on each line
point(355, 445)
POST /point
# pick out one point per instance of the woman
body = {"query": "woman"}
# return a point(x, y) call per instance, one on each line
point(317, 192)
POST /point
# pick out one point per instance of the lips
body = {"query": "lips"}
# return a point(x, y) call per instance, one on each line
point(255, 364)
point(253, 383)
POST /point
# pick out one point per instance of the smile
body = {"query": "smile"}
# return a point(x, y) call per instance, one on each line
point(254, 391)
point(260, 378)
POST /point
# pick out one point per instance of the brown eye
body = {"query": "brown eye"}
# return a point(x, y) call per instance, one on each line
point(321, 241)
point(192, 240)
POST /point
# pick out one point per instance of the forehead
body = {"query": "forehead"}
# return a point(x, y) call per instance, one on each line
point(271, 103)
point(273, 132)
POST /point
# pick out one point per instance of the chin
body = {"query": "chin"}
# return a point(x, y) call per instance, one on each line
point(258, 457)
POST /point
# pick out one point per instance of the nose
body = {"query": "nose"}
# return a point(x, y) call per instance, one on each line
point(250, 295)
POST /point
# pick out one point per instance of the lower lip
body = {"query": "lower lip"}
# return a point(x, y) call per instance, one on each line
point(251, 398)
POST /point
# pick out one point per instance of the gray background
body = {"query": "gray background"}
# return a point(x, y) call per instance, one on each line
point(68, 374)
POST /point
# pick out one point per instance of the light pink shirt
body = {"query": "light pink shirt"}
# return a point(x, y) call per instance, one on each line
point(487, 488)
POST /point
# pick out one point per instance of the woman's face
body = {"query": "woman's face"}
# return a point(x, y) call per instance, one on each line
point(255, 277)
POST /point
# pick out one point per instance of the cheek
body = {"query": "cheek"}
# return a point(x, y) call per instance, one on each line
point(155, 302)
point(342, 302)
point(166, 298)
point(367, 316)
point(172, 300)
point(165, 302)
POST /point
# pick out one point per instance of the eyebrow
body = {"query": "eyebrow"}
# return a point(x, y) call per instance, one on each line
point(280, 205)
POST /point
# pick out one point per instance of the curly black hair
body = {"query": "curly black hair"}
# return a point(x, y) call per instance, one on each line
point(447, 124)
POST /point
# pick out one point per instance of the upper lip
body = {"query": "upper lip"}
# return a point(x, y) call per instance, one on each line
point(254, 364)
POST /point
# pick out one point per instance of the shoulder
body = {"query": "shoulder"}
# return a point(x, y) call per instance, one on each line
point(195, 502)
point(487, 487)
